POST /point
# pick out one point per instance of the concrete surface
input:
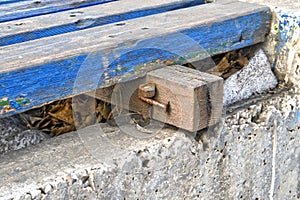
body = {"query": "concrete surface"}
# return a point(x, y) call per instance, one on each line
point(14, 136)
point(253, 154)
point(255, 77)
point(285, 4)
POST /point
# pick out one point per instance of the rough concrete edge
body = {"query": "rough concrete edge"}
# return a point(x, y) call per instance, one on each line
point(283, 45)
point(56, 159)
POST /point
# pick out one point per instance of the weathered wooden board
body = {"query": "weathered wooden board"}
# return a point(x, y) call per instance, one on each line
point(73, 20)
point(56, 67)
point(195, 98)
point(10, 1)
point(12, 10)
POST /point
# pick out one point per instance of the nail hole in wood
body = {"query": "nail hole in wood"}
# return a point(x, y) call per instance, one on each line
point(241, 38)
point(75, 14)
point(120, 24)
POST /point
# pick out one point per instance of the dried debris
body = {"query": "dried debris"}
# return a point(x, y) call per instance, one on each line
point(231, 62)
point(73, 113)
point(66, 115)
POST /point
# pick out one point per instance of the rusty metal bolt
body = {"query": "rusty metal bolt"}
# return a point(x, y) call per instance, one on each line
point(146, 92)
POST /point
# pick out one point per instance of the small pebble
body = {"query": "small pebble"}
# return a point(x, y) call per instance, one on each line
point(36, 194)
point(48, 189)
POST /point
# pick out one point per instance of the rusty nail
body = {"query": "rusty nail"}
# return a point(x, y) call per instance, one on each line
point(166, 107)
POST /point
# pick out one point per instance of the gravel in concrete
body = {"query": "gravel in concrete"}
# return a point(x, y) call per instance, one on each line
point(255, 77)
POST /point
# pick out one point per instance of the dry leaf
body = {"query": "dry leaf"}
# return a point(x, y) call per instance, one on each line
point(230, 63)
point(45, 122)
point(64, 129)
point(103, 109)
point(223, 65)
point(229, 73)
point(64, 114)
point(242, 60)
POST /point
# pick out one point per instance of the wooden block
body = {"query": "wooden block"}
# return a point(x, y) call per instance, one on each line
point(196, 98)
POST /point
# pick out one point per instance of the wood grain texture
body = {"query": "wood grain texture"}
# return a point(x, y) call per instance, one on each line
point(10, 1)
point(23, 30)
point(59, 66)
point(124, 96)
point(195, 97)
point(13, 10)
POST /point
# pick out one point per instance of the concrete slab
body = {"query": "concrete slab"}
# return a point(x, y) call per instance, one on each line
point(253, 154)
point(14, 136)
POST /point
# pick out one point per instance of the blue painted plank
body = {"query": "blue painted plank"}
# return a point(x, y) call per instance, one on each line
point(60, 23)
point(25, 9)
point(48, 69)
point(10, 1)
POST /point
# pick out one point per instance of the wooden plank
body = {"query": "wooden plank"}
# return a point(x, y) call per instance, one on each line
point(10, 1)
point(23, 30)
point(30, 8)
point(60, 66)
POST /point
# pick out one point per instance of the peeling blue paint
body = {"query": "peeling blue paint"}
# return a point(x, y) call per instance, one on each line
point(7, 105)
point(10, 1)
point(287, 24)
point(296, 120)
